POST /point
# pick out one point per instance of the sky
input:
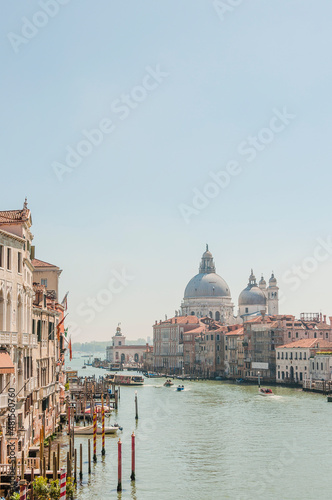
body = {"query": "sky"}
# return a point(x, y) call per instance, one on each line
point(140, 131)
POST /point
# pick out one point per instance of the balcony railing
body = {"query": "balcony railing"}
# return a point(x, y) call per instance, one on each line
point(27, 340)
point(8, 338)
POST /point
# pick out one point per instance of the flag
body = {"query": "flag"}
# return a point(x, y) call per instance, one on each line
point(66, 331)
point(64, 302)
point(70, 351)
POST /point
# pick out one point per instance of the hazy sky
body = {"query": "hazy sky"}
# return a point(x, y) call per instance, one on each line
point(185, 94)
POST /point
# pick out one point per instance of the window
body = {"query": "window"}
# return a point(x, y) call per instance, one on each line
point(304, 355)
point(321, 366)
point(9, 259)
point(211, 337)
point(218, 347)
point(286, 355)
point(282, 375)
point(297, 335)
point(278, 374)
point(119, 342)
point(19, 262)
point(282, 355)
point(278, 358)
point(207, 337)
point(1, 256)
point(300, 355)
point(290, 355)
point(289, 335)
point(317, 365)
point(301, 377)
point(247, 310)
point(326, 335)
point(295, 355)
point(44, 282)
point(218, 336)
point(315, 335)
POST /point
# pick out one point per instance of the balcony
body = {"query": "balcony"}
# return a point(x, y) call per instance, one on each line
point(27, 340)
point(8, 338)
point(30, 386)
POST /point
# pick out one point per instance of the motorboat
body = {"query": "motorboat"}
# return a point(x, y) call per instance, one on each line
point(80, 430)
point(264, 391)
point(168, 383)
point(180, 388)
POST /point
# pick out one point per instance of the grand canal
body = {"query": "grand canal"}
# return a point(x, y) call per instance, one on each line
point(215, 441)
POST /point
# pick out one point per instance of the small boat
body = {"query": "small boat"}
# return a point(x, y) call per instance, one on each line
point(264, 391)
point(168, 383)
point(84, 367)
point(180, 388)
point(88, 430)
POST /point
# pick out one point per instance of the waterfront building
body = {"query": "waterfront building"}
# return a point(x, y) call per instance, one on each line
point(168, 342)
point(321, 366)
point(234, 352)
point(262, 335)
point(121, 353)
point(29, 360)
point(294, 360)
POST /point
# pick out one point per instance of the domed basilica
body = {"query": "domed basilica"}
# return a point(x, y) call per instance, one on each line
point(207, 294)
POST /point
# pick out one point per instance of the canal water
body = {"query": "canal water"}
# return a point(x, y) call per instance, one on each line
point(215, 440)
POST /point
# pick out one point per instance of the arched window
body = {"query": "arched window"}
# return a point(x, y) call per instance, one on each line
point(217, 316)
point(136, 357)
point(123, 358)
point(192, 313)
point(210, 314)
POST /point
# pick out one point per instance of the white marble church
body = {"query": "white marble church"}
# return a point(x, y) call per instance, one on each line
point(207, 294)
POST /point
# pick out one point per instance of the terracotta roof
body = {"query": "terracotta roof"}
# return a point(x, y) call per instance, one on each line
point(200, 329)
point(13, 216)
point(308, 343)
point(41, 263)
point(239, 331)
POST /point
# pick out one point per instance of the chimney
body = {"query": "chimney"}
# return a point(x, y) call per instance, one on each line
point(320, 317)
point(263, 316)
point(330, 318)
point(325, 318)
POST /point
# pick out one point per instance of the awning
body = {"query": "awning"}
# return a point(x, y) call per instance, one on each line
point(6, 364)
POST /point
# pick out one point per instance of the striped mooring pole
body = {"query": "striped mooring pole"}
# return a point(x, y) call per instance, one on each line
point(119, 488)
point(102, 426)
point(132, 477)
point(63, 484)
point(95, 436)
point(23, 489)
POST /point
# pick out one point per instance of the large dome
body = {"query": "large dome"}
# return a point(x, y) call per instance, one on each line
point(252, 296)
point(206, 285)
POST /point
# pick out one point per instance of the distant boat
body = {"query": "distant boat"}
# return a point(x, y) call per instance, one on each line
point(88, 430)
point(264, 391)
point(126, 379)
point(83, 367)
point(168, 383)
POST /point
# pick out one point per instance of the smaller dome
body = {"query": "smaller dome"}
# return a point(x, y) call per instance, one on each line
point(207, 255)
point(252, 296)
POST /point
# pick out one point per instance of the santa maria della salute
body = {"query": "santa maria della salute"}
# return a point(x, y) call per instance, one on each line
point(208, 295)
